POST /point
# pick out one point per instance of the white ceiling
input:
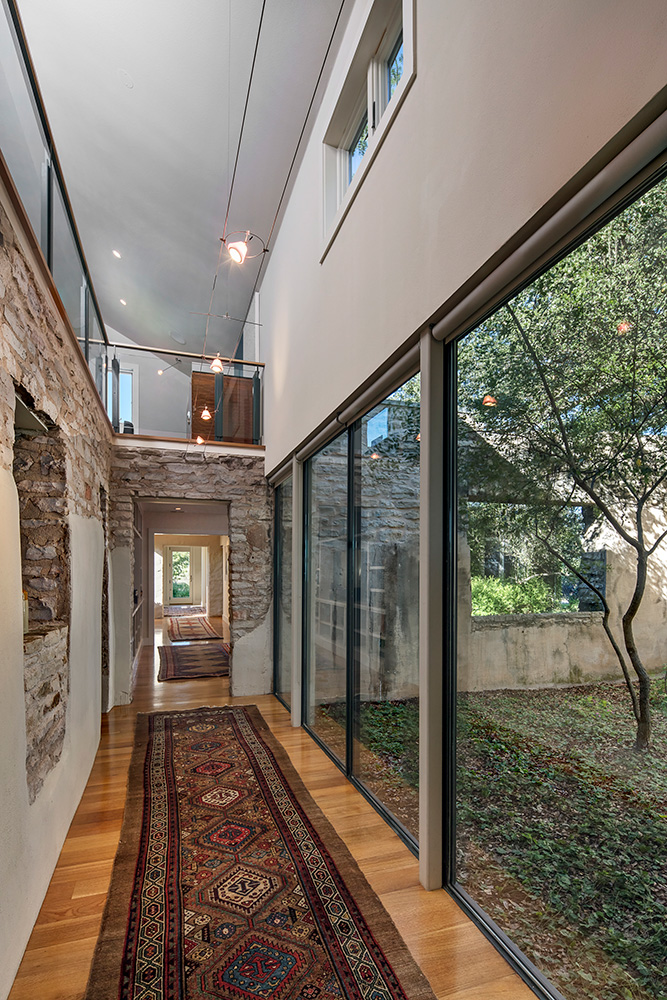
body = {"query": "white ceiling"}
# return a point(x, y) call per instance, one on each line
point(145, 101)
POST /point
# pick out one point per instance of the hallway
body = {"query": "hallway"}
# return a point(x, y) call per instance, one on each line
point(459, 963)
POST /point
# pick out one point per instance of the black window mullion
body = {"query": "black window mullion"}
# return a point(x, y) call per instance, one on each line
point(352, 685)
point(276, 585)
point(449, 459)
point(305, 604)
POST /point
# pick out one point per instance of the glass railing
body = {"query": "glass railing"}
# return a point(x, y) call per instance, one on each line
point(169, 395)
point(28, 150)
point(137, 398)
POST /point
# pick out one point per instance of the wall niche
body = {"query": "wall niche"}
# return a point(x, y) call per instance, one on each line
point(40, 475)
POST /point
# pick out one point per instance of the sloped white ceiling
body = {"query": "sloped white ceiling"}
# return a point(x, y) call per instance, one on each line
point(145, 101)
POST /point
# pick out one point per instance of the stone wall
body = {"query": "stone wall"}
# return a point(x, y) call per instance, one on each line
point(546, 650)
point(46, 682)
point(58, 474)
point(193, 474)
point(49, 728)
point(39, 471)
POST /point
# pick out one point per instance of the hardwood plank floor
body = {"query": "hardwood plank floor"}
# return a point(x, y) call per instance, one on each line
point(458, 961)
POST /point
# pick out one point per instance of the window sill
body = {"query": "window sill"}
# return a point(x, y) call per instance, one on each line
point(374, 144)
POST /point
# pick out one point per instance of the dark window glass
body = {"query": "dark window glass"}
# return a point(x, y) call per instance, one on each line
point(359, 146)
point(395, 67)
point(326, 598)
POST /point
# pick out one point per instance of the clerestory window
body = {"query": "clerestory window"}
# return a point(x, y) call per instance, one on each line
point(381, 70)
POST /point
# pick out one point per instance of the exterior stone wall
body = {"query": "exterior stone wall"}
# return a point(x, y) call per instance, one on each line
point(46, 682)
point(139, 473)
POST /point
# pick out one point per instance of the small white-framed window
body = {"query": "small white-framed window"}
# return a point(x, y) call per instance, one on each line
point(378, 77)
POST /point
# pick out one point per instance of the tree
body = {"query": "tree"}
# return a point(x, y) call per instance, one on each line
point(566, 387)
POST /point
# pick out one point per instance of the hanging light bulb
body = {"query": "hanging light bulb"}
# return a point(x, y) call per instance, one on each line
point(217, 365)
point(206, 413)
point(161, 371)
point(489, 400)
point(199, 439)
point(238, 251)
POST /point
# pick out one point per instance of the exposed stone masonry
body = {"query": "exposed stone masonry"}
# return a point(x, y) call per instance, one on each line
point(39, 471)
point(139, 473)
point(58, 476)
point(46, 683)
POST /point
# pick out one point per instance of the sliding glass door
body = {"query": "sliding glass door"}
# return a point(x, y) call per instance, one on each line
point(326, 602)
point(561, 807)
point(362, 604)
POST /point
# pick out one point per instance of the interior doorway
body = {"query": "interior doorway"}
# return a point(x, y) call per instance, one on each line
point(181, 574)
point(191, 571)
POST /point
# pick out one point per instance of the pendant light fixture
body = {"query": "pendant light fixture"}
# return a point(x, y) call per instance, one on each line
point(206, 413)
point(217, 365)
point(241, 249)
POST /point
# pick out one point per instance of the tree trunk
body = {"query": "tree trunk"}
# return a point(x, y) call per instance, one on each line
point(644, 721)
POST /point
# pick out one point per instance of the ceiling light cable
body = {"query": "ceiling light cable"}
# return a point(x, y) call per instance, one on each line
point(291, 166)
point(245, 111)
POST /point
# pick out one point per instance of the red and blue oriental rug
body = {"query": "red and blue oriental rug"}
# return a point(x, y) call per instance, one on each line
point(230, 884)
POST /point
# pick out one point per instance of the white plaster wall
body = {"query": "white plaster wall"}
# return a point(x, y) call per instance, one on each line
point(163, 401)
point(27, 856)
point(509, 102)
point(251, 670)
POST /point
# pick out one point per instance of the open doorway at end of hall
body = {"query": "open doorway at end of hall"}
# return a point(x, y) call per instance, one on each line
point(192, 570)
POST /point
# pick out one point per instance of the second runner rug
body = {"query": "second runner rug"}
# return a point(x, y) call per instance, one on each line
point(203, 659)
point(187, 629)
point(229, 882)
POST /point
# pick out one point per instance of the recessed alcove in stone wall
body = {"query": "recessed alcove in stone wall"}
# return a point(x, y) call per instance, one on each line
point(39, 471)
point(40, 475)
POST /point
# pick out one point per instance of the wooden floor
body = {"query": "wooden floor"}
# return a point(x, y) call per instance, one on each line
point(455, 957)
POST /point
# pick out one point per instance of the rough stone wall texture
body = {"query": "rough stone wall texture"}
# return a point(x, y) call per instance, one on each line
point(39, 471)
point(58, 474)
point(36, 354)
point(139, 473)
point(215, 596)
point(46, 683)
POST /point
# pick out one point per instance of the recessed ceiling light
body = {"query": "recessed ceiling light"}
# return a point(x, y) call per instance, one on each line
point(123, 302)
point(178, 508)
point(116, 254)
point(125, 78)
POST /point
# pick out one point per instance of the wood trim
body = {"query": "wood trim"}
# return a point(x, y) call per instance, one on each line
point(128, 438)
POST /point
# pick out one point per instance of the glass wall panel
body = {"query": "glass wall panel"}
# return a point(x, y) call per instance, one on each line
point(326, 596)
point(67, 270)
point(562, 617)
point(97, 356)
point(283, 617)
point(387, 603)
point(20, 134)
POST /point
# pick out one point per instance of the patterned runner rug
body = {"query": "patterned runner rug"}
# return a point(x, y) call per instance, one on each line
point(178, 610)
point(180, 663)
point(187, 629)
point(229, 882)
